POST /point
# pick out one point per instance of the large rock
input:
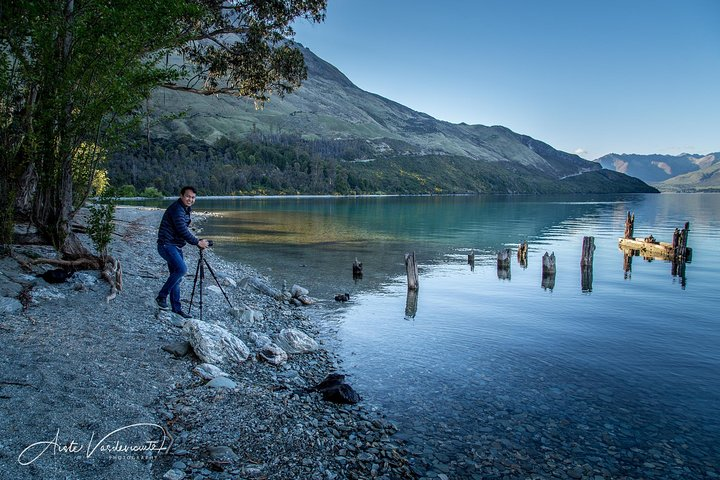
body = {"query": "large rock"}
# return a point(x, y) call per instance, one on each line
point(10, 305)
point(214, 344)
point(273, 354)
point(295, 341)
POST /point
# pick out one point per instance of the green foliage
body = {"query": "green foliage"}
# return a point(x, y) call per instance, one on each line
point(126, 190)
point(151, 192)
point(77, 73)
point(290, 165)
point(101, 223)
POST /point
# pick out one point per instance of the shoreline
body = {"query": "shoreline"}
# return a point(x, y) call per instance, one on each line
point(89, 368)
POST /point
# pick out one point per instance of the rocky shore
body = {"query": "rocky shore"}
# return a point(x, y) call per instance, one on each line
point(120, 389)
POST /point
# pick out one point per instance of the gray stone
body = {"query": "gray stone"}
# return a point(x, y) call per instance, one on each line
point(214, 344)
point(46, 293)
point(222, 454)
point(10, 305)
point(174, 474)
point(209, 371)
point(221, 382)
point(260, 339)
point(297, 291)
point(179, 349)
point(295, 341)
point(273, 354)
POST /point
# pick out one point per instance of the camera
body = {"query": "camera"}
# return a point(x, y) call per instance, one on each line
point(210, 242)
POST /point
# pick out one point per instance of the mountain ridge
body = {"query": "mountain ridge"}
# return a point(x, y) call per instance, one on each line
point(359, 126)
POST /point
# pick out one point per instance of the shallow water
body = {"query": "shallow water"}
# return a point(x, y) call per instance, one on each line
point(491, 376)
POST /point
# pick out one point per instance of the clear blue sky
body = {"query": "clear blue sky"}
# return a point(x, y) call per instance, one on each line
point(586, 76)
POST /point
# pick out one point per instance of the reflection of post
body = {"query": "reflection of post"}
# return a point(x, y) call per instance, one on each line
point(586, 264)
point(412, 271)
point(357, 269)
point(522, 254)
point(411, 303)
point(548, 271)
point(503, 264)
point(471, 260)
point(627, 265)
point(629, 225)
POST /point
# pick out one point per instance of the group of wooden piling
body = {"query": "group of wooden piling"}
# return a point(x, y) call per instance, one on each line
point(677, 251)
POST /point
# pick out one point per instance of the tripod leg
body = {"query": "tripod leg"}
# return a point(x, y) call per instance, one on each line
point(218, 283)
point(192, 295)
point(202, 277)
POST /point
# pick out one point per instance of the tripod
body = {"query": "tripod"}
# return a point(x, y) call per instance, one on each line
point(200, 273)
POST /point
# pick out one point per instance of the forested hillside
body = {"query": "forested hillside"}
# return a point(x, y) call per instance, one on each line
point(264, 164)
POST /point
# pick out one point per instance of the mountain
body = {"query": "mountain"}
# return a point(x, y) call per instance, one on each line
point(660, 169)
point(368, 143)
point(704, 180)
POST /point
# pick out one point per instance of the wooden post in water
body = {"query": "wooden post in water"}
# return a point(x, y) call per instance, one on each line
point(471, 260)
point(412, 271)
point(679, 243)
point(503, 264)
point(548, 271)
point(586, 264)
point(629, 225)
point(357, 269)
point(522, 254)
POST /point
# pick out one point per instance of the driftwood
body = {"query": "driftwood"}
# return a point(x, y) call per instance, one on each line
point(412, 271)
point(110, 268)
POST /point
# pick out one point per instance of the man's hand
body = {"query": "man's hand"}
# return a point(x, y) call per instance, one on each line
point(204, 243)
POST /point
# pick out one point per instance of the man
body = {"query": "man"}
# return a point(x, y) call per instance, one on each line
point(172, 237)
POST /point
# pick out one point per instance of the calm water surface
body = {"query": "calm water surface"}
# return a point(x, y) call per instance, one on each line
point(491, 376)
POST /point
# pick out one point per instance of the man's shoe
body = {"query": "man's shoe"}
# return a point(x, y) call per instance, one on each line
point(162, 304)
point(183, 314)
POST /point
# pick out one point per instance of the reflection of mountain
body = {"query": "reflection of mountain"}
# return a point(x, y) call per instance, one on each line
point(315, 241)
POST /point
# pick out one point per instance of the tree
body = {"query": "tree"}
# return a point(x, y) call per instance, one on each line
point(76, 72)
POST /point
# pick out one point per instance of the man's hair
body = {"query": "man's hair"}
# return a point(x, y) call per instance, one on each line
point(186, 188)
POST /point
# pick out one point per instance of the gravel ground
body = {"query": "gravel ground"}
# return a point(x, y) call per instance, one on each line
point(89, 392)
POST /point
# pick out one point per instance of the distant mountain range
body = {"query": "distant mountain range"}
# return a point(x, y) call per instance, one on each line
point(369, 143)
point(685, 172)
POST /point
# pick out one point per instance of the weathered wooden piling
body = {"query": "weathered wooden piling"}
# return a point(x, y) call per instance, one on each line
point(679, 242)
point(471, 260)
point(503, 264)
point(522, 254)
point(629, 225)
point(586, 264)
point(412, 271)
point(357, 269)
point(548, 271)
point(588, 250)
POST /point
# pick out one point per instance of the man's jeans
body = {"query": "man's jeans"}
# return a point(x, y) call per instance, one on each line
point(176, 264)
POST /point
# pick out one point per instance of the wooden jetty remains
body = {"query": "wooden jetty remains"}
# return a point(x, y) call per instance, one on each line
point(649, 247)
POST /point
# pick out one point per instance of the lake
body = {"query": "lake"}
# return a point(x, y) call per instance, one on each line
point(494, 374)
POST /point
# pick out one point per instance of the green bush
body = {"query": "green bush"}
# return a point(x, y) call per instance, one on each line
point(127, 191)
point(151, 192)
point(100, 224)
